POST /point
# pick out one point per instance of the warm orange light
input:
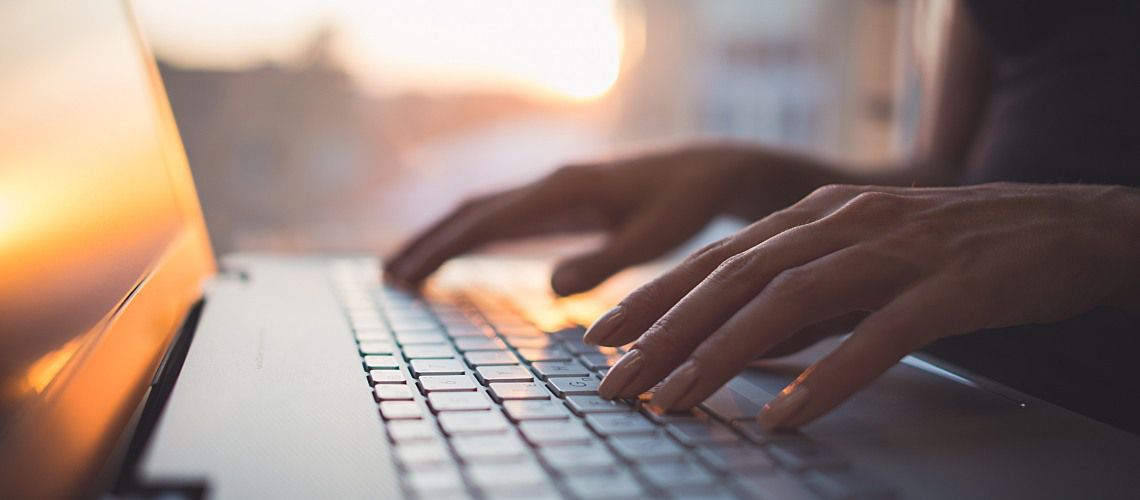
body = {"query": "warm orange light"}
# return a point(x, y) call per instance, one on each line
point(44, 370)
point(551, 49)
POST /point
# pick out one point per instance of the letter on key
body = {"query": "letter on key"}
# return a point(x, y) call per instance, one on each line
point(566, 386)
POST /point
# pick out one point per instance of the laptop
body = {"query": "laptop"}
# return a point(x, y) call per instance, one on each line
point(135, 365)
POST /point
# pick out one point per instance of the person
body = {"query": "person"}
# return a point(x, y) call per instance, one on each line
point(1010, 245)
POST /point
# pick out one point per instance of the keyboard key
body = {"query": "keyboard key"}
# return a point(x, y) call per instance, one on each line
point(757, 434)
point(400, 410)
point(366, 322)
point(520, 330)
point(572, 334)
point(419, 454)
point(490, 358)
point(413, 338)
point(548, 369)
point(563, 386)
point(576, 346)
point(554, 432)
point(613, 424)
point(458, 401)
point(445, 383)
point(529, 342)
point(380, 362)
point(387, 377)
point(428, 351)
point(437, 367)
point(657, 448)
point(506, 373)
point(583, 405)
point(381, 334)
point(487, 448)
point(847, 484)
point(518, 390)
point(413, 323)
point(770, 486)
point(466, 344)
point(598, 361)
point(545, 354)
point(376, 347)
point(434, 482)
point(407, 431)
point(472, 422)
point(523, 410)
point(802, 455)
point(659, 415)
point(494, 477)
point(698, 433)
point(458, 331)
point(587, 457)
point(619, 485)
point(735, 458)
point(673, 475)
point(392, 392)
point(730, 405)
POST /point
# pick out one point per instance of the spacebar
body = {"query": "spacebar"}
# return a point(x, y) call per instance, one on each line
point(737, 400)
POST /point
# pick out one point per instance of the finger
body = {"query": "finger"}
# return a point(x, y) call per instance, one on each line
point(737, 280)
point(648, 234)
point(640, 309)
point(926, 312)
point(503, 215)
point(809, 336)
point(398, 260)
point(847, 281)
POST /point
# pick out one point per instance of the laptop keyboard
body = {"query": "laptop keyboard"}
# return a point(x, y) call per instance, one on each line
point(479, 402)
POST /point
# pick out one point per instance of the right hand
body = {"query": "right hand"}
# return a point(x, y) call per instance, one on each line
point(648, 203)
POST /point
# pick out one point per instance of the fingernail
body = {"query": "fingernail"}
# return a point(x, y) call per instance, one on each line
point(779, 410)
point(604, 326)
point(622, 373)
point(676, 385)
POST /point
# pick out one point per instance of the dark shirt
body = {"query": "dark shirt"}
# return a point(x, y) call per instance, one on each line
point(1064, 107)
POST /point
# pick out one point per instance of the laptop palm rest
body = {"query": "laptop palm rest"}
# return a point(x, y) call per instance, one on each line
point(272, 401)
point(933, 434)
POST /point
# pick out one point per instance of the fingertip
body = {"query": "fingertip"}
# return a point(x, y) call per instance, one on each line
point(780, 412)
point(568, 280)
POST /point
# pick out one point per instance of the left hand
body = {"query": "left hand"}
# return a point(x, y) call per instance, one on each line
point(903, 266)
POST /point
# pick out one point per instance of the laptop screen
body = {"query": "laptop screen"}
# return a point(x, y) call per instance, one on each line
point(86, 203)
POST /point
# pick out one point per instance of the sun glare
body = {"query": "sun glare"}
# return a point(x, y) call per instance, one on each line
point(562, 49)
point(568, 49)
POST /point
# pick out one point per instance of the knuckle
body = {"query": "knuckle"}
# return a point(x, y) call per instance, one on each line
point(659, 341)
point(876, 202)
point(732, 269)
point(833, 192)
point(710, 255)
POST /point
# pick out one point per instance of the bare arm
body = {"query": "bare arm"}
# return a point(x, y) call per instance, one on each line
point(956, 70)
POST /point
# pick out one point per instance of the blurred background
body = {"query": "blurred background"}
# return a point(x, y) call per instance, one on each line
point(345, 125)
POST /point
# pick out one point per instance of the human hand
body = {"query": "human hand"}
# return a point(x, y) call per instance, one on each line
point(903, 266)
point(649, 203)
